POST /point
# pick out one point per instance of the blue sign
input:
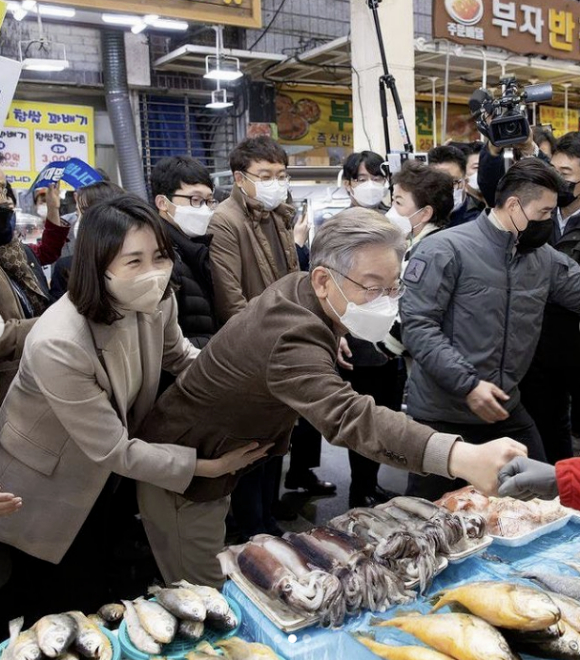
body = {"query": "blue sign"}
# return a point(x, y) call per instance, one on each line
point(75, 172)
point(58, 149)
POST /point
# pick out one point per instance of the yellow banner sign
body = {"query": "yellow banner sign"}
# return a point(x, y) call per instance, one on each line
point(460, 126)
point(3, 8)
point(556, 118)
point(36, 134)
point(314, 118)
point(241, 13)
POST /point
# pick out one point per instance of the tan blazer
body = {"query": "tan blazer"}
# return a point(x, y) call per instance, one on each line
point(61, 438)
point(270, 364)
point(241, 258)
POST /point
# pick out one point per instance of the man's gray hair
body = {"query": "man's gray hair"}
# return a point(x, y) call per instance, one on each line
point(339, 238)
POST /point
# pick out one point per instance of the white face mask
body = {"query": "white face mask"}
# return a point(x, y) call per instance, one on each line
point(368, 194)
point(472, 182)
point(192, 221)
point(371, 321)
point(402, 222)
point(271, 196)
point(458, 198)
point(76, 226)
point(42, 211)
point(142, 293)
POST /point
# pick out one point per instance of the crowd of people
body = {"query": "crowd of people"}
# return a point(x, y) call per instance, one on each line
point(184, 346)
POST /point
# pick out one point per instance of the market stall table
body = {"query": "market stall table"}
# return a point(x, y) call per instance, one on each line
point(498, 563)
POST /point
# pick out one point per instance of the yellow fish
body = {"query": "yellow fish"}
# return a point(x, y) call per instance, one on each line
point(402, 652)
point(235, 648)
point(504, 605)
point(462, 636)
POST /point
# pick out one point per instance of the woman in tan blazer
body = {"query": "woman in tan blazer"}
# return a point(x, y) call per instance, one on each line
point(88, 376)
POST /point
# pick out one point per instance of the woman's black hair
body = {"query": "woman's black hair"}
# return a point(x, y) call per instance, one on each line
point(101, 235)
point(371, 160)
point(428, 187)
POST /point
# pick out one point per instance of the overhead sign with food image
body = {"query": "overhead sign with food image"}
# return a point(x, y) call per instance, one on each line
point(526, 27)
point(315, 117)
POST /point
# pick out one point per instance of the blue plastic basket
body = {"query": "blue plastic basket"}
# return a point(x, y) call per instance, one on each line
point(112, 637)
point(179, 646)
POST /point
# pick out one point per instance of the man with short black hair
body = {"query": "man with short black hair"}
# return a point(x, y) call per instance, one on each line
point(472, 315)
point(253, 247)
point(453, 161)
point(183, 193)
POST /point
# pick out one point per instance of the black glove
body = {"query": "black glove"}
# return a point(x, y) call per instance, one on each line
point(524, 479)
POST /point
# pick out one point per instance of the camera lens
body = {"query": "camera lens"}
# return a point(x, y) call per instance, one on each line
point(510, 128)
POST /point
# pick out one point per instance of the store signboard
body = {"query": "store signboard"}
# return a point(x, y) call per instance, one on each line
point(460, 125)
point(556, 118)
point(314, 117)
point(36, 134)
point(9, 76)
point(241, 13)
point(527, 27)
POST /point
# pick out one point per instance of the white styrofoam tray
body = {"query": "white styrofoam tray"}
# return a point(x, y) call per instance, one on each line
point(474, 547)
point(532, 535)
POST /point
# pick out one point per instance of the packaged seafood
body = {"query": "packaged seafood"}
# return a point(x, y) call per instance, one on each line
point(509, 521)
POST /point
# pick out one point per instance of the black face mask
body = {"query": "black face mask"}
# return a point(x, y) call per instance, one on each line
point(566, 196)
point(7, 224)
point(536, 234)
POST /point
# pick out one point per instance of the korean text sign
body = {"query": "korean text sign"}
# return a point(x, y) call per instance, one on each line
point(526, 27)
point(309, 117)
point(36, 134)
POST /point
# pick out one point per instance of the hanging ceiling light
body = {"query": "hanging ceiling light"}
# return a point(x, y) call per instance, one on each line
point(20, 9)
point(220, 66)
point(219, 100)
point(41, 54)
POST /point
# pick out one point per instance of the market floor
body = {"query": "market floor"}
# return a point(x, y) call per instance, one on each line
point(334, 466)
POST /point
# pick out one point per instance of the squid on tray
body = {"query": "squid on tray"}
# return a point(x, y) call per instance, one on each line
point(366, 583)
point(408, 535)
point(277, 568)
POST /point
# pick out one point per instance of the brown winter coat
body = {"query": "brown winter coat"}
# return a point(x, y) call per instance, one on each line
point(241, 259)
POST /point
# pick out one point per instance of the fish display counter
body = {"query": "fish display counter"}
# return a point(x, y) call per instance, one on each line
point(503, 604)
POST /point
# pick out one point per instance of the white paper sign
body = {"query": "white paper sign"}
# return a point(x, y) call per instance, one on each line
point(15, 149)
point(9, 76)
point(55, 145)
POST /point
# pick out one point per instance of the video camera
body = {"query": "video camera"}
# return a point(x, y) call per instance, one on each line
point(509, 124)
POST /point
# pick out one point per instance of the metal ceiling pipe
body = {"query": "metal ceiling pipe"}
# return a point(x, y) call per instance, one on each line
point(121, 112)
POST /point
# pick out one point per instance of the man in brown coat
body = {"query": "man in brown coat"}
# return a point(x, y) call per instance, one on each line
point(252, 247)
point(275, 361)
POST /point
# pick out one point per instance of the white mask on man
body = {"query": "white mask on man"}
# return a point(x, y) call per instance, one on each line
point(272, 195)
point(458, 198)
point(472, 182)
point(370, 321)
point(368, 194)
point(192, 221)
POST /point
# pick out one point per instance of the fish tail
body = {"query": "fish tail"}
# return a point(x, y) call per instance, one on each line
point(14, 627)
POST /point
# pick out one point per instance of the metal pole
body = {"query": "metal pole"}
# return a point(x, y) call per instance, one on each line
point(434, 80)
point(445, 96)
point(566, 87)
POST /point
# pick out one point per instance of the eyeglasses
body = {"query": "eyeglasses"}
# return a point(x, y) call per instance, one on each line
point(197, 202)
point(375, 292)
point(458, 183)
point(268, 181)
point(375, 179)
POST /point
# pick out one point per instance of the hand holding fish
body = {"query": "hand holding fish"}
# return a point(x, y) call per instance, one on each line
point(9, 503)
point(524, 479)
point(479, 465)
point(231, 461)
